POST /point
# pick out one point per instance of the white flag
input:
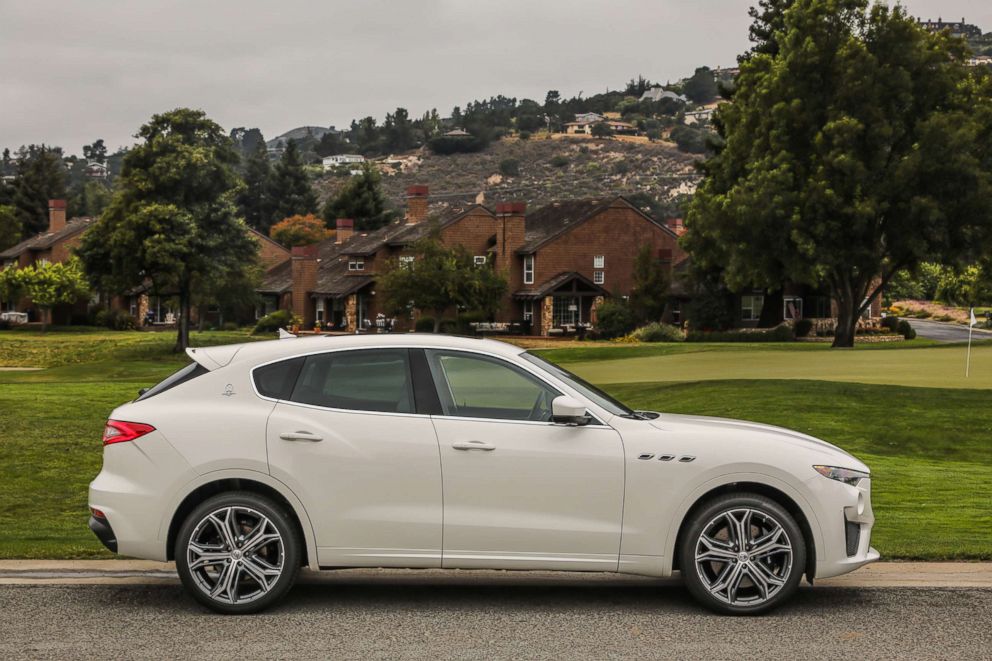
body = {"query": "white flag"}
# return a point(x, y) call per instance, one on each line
point(973, 320)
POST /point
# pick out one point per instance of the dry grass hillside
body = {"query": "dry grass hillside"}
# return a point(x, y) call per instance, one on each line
point(547, 170)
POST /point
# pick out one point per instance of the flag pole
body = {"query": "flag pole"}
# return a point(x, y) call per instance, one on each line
point(971, 325)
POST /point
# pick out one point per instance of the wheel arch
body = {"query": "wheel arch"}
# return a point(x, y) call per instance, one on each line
point(263, 485)
point(788, 498)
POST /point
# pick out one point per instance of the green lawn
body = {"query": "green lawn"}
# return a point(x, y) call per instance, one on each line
point(930, 448)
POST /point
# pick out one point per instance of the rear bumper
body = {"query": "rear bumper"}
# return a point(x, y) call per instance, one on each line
point(101, 528)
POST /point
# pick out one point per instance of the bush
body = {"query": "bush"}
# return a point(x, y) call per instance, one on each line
point(906, 329)
point(803, 327)
point(559, 161)
point(273, 321)
point(781, 333)
point(614, 318)
point(525, 135)
point(229, 326)
point(656, 332)
point(115, 320)
point(444, 145)
point(891, 322)
point(710, 310)
point(509, 167)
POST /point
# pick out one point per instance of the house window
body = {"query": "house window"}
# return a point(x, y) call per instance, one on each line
point(751, 307)
point(406, 261)
point(479, 260)
point(357, 264)
point(792, 308)
point(529, 270)
point(565, 311)
point(528, 310)
point(598, 277)
point(320, 311)
point(599, 262)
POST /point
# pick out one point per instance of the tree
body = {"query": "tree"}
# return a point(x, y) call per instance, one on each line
point(247, 141)
point(769, 19)
point(701, 87)
point(859, 150)
point(97, 152)
point(10, 226)
point(172, 224)
point(290, 191)
point(40, 178)
point(650, 286)
point(254, 201)
point(601, 130)
point(398, 131)
point(48, 284)
point(88, 198)
point(689, 139)
point(438, 279)
point(361, 199)
point(12, 284)
point(300, 231)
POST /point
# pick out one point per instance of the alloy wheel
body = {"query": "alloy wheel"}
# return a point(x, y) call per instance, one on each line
point(744, 557)
point(235, 554)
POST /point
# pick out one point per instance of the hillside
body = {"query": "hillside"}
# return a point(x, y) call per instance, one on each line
point(548, 170)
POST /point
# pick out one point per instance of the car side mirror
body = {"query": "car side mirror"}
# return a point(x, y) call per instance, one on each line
point(568, 411)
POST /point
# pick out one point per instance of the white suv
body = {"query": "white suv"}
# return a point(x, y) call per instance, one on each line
point(429, 451)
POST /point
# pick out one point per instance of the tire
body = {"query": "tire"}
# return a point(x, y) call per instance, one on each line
point(742, 581)
point(261, 555)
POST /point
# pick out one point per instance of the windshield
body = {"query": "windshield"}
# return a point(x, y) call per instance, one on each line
point(592, 392)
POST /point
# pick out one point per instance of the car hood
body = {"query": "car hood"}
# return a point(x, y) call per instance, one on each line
point(743, 430)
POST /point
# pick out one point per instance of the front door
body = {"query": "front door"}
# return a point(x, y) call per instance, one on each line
point(519, 491)
point(349, 442)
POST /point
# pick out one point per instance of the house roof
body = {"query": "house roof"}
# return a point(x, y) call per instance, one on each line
point(278, 279)
point(549, 286)
point(46, 239)
point(335, 280)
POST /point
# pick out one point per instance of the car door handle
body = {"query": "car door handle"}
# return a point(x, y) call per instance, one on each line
point(473, 445)
point(300, 436)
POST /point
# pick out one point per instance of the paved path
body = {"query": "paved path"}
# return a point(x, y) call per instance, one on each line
point(388, 614)
point(946, 332)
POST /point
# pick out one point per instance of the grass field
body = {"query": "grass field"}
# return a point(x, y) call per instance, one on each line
point(930, 448)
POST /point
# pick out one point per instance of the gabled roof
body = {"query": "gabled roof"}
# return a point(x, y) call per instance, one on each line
point(557, 218)
point(549, 286)
point(278, 279)
point(399, 233)
point(46, 239)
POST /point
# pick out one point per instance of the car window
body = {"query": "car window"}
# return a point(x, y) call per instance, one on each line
point(277, 380)
point(475, 386)
point(373, 380)
point(187, 373)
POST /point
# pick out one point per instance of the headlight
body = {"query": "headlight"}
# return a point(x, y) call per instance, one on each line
point(845, 475)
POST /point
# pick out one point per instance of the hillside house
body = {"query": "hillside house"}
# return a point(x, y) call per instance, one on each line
point(957, 28)
point(331, 162)
point(658, 93)
point(561, 261)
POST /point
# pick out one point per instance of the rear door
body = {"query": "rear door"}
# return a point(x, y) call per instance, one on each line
point(349, 441)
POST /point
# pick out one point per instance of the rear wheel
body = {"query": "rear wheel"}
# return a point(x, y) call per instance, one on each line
point(238, 552)
point(742, 554)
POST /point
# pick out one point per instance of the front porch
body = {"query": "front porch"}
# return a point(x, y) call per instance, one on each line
point(563, 305)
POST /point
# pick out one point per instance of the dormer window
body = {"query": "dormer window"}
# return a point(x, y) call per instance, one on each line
point(356, 264)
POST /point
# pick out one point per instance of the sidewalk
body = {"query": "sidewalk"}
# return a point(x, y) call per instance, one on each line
point(142, 572)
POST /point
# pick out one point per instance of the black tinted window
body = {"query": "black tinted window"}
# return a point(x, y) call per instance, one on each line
point(373, 380)
point(277, 380)
point(191, 371)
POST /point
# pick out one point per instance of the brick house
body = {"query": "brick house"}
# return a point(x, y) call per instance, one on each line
point(560, 261)
point(55, 244)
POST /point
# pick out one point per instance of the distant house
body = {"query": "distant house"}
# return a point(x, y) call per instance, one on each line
point(331, 162)
point(659, 93)
point(585, 127)
point(699, 116)
point(96, 170)
point(957, 28)
point(457, 133)
point(589, 117)
point(980, 60)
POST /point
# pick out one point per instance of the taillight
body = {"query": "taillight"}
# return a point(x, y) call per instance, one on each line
point(118, 431)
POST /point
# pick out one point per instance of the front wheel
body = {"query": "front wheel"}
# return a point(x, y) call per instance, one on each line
point(238, 553)
point(742, 554)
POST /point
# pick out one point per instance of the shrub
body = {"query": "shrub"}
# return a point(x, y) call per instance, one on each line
point(891, 322)
point(424, 325)
point(614, 318)
point(114, 320)
point(657, 332)
point(710, 310)
point(444, 145)
point(559, 161)
point(781, 333)
point(509, 167)
point(229, 326)
point(803, 327)
point(906, 329)
point(525, 135)
point(273, 321)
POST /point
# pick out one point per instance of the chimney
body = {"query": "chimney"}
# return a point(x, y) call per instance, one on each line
point(56, 215)
point(676, 225)
point(345, 228)
point(416, 204)
point(304, 271)
point(510, 229)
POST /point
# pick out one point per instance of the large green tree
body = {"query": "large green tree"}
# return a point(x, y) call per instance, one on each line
point(701, 87)
point(361, 199)
point(254, 200)
point(651, 286)
point(438, 279)
point(290, 192)
point(48, 284)
point(41, 177)
point(172, 224)
point(858, 150)
point(10, 226)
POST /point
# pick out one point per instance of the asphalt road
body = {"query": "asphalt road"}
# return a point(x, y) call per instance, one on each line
point(945, 332)
point(485, 618)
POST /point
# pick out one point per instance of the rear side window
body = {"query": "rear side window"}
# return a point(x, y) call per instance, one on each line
point(187, 373)
point(372, 380)
point(277, 380)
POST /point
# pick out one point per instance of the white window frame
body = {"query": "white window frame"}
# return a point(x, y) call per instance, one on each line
point(356, 264)
point(528, 308)
point(751, 305)
point(479, 260)
point(528, 269)
point(319, 309)
point(599, 262)
point(598, 277)
point(406, 261)
point(797, 301)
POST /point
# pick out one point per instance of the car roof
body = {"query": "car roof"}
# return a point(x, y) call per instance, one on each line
point(256, 353)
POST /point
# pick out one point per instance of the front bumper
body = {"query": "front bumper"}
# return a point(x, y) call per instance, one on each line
point(846, 520)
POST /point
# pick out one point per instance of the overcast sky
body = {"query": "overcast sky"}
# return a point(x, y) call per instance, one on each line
point(73, 71)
